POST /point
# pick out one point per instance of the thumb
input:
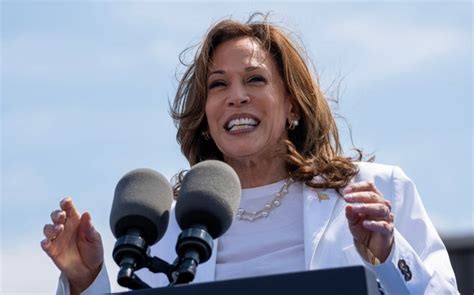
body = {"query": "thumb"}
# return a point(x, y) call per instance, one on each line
point(87, 230)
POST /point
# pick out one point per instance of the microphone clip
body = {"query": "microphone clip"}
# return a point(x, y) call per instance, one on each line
point(194, 246)
point(131, 252)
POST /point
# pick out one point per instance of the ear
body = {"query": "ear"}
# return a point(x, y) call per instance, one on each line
point(294, 111)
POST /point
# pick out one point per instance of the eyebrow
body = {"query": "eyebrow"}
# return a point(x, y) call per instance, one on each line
point(247, 69)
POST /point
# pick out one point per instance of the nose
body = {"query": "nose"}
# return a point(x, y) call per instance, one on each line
point(237, 96)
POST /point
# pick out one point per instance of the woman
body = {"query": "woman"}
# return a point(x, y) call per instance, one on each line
point(249, 99)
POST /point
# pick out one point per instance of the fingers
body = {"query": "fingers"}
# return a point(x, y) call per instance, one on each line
point(370, 201)
point(364, 197)
point(87, 230)
point(361, 186)
point(377, 211)
point(52, 231)
point(352, 217)
point(367, 208)
point(48, 247)
point(369, 217)
point(380, 226)
point(45, 245)
point(58, 217)
point(68, 206)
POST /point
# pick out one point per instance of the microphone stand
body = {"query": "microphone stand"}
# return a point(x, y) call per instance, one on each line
point(194, 246)
point(131, 253)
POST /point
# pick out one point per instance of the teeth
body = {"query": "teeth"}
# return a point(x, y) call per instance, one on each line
point(239, 127)
point(241, 123)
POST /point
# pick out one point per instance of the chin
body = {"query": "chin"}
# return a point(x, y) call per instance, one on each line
point(238, 151)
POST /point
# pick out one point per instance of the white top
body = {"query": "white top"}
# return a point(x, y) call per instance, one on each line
point(266, 246)
point(328, 242)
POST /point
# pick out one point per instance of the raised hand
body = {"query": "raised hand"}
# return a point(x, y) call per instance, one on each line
point(74, 245)
point(370, 218)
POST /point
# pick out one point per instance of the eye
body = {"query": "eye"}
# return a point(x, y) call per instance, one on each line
point(257, 79)
point(217, 83)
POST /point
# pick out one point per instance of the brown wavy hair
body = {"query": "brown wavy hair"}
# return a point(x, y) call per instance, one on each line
point(313, 147)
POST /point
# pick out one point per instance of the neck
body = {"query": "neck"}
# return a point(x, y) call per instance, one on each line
point(253, 172)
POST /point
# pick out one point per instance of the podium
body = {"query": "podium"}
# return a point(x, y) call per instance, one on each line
point(354, 280)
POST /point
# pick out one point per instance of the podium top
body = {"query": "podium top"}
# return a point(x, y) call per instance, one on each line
point(344, 280)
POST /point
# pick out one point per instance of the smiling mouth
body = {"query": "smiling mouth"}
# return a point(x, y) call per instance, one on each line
point(241, 124)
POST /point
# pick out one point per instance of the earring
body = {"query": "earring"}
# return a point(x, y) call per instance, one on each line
point(206, 135)
point(293, 124)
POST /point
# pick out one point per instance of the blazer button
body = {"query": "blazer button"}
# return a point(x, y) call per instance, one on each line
point(404, 269)
point(408, 276)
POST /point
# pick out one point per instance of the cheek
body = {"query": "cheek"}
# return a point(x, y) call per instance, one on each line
point(280, 128)
point(281, 111)
point(210, 112)
point(280, 120)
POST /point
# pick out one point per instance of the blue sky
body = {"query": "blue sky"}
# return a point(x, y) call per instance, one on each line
point(85, 89)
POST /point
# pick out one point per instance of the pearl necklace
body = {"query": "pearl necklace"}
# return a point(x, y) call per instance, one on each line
point(242, 214)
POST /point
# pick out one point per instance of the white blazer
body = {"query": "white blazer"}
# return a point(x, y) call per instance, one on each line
point(418, 263)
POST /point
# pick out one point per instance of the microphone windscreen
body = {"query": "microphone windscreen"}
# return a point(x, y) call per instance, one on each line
point(210, 196)
point(142, 201)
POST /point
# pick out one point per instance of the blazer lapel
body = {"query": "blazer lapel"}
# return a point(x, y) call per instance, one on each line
point(318, 208)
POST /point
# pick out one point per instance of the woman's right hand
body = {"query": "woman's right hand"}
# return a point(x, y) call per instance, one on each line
point(74, 245)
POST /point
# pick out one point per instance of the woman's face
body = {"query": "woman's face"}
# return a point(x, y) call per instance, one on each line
point(247, 106)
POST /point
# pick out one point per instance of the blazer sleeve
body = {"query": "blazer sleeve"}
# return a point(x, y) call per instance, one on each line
point(100, 285)
point(418, 262)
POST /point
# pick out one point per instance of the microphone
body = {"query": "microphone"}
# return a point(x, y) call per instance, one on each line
point(138, 219)
point(208, 201)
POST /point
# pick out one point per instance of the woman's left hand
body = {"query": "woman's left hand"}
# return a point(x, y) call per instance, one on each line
point(370, 218)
